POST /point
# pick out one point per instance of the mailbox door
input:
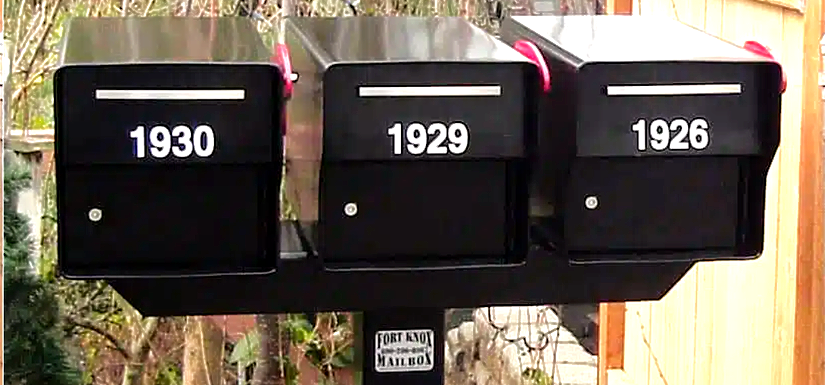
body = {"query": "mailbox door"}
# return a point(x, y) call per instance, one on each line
point(419, 210)
point(158, 221)
point(627, 206)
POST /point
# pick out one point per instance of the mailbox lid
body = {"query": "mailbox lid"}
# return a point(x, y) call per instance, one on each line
point(381, 39)
point(624, 38)
point(623, 69)
point(668, 108)
point(162, 39)
point(118, 74)
point(382, 71)
point(429, 110)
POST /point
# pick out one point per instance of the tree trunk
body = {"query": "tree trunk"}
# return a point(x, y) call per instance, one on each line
point(139, 351)
point(273, 347)
point(203, 352)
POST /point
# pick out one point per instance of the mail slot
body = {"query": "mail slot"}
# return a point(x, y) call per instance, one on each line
point(655, 138)
point(408, 141)
point(168, 150)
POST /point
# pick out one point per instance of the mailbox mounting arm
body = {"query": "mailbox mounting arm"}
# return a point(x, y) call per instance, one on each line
point(402, 346)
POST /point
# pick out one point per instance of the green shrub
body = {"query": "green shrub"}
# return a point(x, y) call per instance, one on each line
point(32, 335)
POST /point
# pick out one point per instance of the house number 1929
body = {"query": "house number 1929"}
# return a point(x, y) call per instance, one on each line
point(435, 139)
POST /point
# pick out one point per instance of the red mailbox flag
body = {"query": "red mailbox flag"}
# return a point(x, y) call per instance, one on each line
point(761, 50)
point(532, 52)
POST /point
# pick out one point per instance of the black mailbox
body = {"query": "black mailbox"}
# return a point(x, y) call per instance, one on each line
point(655, 138)
point(408, 141)
point(169, 151)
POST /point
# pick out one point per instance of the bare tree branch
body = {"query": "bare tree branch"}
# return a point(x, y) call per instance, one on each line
point(139, 351)
point(116, 344)
point(49, 22)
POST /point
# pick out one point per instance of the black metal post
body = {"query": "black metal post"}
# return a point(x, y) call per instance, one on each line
point(402, 347)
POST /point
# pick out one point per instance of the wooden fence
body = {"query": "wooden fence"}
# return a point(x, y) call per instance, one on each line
point(755, 322)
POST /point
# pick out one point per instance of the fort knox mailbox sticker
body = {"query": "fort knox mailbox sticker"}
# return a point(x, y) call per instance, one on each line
point(404, 350)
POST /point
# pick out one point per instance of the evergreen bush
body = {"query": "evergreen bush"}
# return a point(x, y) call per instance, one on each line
point(32, 334)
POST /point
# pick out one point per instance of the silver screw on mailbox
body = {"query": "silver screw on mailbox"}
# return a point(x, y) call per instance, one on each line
point(95, 215)
point(350, 209)
point(591, 202)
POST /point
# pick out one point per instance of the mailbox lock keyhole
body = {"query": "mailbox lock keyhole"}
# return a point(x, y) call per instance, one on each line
point(591, 202)
point(350, 209)
point(95, 214)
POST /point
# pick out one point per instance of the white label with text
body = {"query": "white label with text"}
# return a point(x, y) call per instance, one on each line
point(677, 135)
point(436, 139)
point(180, 141)
point(404, 350)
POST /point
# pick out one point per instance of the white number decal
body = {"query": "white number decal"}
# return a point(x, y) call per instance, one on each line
point(204, 141)
point(435, 139)
point(678, 135)
point(139, 141)
point(416, 139)
point(698, 133)
point(680, 126)
point(184, 137)
point(160, 141)
point(181, 141)
point(459, 138)
point(437, 146)
point(395, 133)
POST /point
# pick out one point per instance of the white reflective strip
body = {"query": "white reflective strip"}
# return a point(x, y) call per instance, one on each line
point(675, 89)
point(428, 91)
point(171, 94)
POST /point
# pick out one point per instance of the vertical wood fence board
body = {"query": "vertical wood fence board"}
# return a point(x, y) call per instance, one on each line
point(787, 268)
point(809, 337)
point(631, 340)
point(691, 12)
point(611, 338)
point(656, 341)
point(619, 7)
point(677, 354)
point(703, 343)
point(686, 367)
point(714, 16)
point(719, 329)
point(667, 339)
point(619, 377)
point(637, 335)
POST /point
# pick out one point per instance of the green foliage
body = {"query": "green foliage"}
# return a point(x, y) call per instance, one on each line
point(16, 231)
point(291, 372)
point(245, 354)
point(169, 375)
point(245, 350)
point(535, 376)
point(32, 335)
point(324, 352)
